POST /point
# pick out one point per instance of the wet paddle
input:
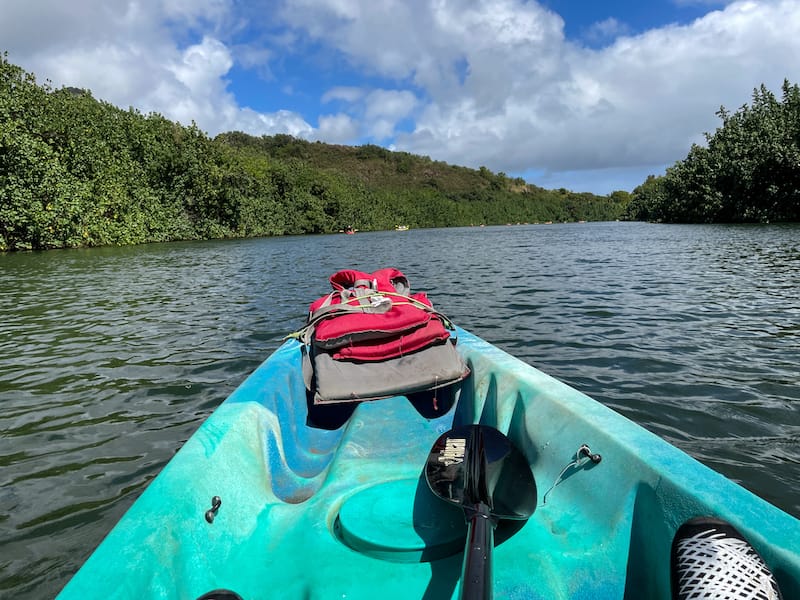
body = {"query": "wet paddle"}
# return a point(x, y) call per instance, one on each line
point(478, 469)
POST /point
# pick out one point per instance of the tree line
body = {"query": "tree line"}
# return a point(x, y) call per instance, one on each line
point(749, 171)
point(76, 171)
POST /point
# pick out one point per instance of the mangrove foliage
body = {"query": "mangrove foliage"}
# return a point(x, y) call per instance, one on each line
point(749, 171)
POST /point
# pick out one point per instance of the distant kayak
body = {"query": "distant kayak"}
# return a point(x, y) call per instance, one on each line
point(276, 497)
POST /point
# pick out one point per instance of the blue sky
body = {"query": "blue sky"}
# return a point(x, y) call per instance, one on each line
point(590, 95)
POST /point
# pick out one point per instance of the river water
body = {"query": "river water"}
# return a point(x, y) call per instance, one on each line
point(110, 358)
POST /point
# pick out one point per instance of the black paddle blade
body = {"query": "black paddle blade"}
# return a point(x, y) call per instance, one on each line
point(476, 464)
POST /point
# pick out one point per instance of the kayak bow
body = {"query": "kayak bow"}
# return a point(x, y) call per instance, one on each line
point(316, 504)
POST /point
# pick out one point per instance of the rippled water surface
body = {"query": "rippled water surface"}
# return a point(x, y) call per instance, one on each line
point(111, 358)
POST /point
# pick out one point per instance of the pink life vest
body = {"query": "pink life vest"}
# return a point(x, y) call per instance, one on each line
point(373, 317)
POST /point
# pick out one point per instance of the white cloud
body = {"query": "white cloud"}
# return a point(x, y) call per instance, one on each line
point(605, 30)
point(384, 109)
point(516, 95)
point(255, 123)
point(195, 11)
point(202, 66)
point(483, 82)
point(372, 114)
point(386, 36)
point(337, 129)
point(389, 104)
point(347, 94)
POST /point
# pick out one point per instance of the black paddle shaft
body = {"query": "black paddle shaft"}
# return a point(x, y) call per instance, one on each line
point(476, 569)
point(478, 469)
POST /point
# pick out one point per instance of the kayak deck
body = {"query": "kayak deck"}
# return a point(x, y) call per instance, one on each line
point(309, 512)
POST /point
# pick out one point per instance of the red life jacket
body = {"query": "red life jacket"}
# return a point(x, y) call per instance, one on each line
point(371, 338)
point(373, 317)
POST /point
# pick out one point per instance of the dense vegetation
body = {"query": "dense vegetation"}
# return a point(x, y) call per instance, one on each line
point(75, 171)
point(749, 171)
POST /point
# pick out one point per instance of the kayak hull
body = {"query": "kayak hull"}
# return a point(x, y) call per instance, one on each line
point(310, 512)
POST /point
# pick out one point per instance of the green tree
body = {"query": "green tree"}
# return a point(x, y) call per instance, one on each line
point(749, 171)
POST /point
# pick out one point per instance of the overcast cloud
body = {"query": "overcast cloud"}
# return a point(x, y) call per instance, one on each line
point(490, 83)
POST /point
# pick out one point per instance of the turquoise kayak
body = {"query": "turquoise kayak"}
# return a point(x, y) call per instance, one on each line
point(265, 503)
